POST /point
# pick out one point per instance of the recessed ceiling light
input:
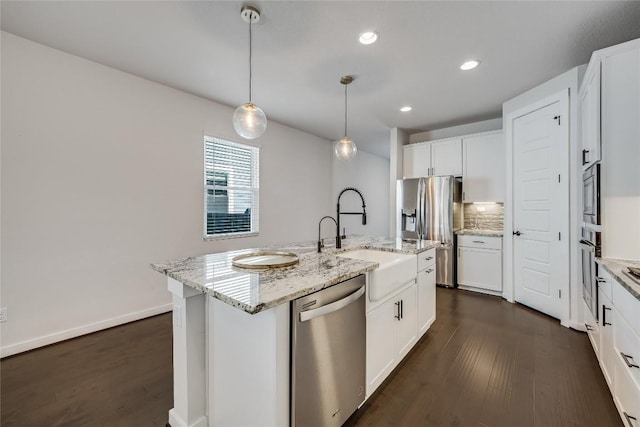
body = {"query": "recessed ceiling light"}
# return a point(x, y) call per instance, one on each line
point(406, 108)
point(368, 37)
point(469, 65)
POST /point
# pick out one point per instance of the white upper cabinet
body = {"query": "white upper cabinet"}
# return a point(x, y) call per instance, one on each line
point(590, 115)
point(446, 157)
point(440, 157)
point(416, 160)
point(484, 168)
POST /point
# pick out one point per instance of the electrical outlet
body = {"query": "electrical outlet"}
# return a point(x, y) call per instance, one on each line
point(3, 314)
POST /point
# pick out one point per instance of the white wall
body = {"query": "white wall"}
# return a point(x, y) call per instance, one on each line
point(569, 80)
point(102, 174)
point(460, 130)
point(369, 174)
point(398, 138)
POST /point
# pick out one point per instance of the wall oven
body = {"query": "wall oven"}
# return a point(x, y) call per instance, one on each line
point(590, 242)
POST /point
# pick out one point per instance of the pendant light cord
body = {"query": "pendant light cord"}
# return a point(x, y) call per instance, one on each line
point(345, 111)
point(250, 55)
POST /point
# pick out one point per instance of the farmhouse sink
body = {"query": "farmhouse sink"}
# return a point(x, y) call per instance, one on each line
point(394, 270)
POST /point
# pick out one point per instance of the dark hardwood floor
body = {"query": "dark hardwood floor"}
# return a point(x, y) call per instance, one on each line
point(484, 362)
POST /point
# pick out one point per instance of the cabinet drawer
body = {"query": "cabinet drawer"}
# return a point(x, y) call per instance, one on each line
point(627, 396)
point(627, 346)
point(604, 282)
point(627, 305)
point(427, 259)
point(480, 242)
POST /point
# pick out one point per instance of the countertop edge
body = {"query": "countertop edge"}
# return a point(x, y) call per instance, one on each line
point(172, 269)
point(483, 233)
point(615, 268)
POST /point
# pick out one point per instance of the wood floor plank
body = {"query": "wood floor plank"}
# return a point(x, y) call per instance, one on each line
point(483, 363)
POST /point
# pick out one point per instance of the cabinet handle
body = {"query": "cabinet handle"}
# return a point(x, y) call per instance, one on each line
point(429, 270)
point(397, 316)
point(589, 327)
point(429, 258)
point(629, 418)
point(626, 358)
point(479, 241)
point(401, 309)
point(604, 316)
point(584, 156)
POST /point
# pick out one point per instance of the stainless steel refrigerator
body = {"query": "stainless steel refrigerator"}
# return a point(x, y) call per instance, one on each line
point(430, 208)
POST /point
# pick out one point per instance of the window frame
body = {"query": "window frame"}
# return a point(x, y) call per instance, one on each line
point(254, 190)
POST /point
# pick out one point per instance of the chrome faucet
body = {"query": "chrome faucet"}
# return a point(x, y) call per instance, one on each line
point(320, 240)
point(363, 213)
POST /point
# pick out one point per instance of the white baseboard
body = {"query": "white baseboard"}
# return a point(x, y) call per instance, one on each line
point(12, 349)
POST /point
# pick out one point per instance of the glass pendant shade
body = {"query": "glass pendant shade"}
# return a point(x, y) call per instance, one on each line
point(249, 121)
point(345, 149)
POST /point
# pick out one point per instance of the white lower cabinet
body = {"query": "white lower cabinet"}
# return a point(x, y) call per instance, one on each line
point(426, 290)
point(616, 341)
point(426, 299)
point(609, 320)
point(593, 328)
point(391, 333)
point(480, 263)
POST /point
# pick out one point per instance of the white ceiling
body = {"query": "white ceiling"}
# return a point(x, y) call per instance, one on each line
point(301, 48)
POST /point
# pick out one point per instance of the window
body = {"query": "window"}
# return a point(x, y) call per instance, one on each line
point(231, 188)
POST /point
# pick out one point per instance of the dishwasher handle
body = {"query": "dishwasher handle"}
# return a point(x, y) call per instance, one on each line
point(330, 308)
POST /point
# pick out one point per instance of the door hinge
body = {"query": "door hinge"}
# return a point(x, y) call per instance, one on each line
point(559, 236)
point(557, 118)
point(559, 293)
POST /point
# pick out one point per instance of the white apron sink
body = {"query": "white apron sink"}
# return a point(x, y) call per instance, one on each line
point(394, 270)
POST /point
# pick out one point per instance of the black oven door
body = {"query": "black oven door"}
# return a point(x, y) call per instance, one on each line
point(591, 195)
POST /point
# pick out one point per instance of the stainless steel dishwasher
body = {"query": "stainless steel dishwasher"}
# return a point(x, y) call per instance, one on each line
point(328, 339)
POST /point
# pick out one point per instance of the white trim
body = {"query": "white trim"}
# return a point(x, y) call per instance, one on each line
point(561, 97)
point(33, 343)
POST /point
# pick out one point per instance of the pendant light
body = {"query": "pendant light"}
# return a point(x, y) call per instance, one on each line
point(249, 120)
point(345, 148)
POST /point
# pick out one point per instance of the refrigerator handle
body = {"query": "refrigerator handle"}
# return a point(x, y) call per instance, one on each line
point(419, 210)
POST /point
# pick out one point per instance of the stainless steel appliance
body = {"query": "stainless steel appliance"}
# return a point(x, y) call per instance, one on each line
point(431, 208)
point(328, 354)
point(590, 241)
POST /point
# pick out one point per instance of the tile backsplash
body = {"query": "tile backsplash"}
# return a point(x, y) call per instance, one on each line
point(485, 216)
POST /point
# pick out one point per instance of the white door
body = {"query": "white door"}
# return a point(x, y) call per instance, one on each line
point(541, 208)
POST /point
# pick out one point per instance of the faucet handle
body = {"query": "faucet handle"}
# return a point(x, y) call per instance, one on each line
point(344, 233)
point(320, 244)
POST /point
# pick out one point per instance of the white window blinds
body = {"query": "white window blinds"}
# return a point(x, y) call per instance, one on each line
point(231, 176)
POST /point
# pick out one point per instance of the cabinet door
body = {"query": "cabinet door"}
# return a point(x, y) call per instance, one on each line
point(480, 268)
point(607, 350)
point(381, 352)
point(416, 160)
point(484, 168)
point(407, 326)
point(627, 395)
point(590, 117)
point(426, 299)
point(593, 329)
point(447, 157)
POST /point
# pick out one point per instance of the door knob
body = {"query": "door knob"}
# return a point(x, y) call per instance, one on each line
point(516, 233)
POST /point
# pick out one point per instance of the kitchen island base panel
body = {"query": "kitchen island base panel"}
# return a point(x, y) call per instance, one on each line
point(189, 380)
point(248, 372)
point(230, 368)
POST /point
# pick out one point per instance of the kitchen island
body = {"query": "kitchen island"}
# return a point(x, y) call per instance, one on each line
point(231, 328)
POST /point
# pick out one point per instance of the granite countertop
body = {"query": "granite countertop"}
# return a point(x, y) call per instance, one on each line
point(257, 290)
point(480, 232)
point(617, 269)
